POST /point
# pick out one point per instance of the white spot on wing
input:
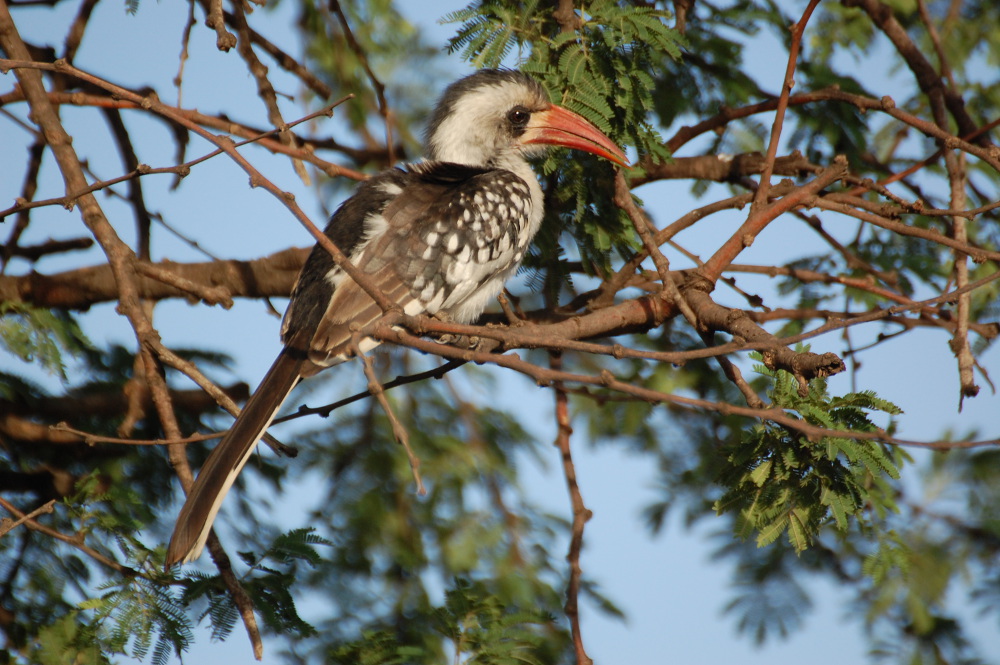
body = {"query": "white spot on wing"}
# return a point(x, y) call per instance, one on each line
point(375, 225)
point(435, 304)
point(428, 292)
point(334, 276)
point(392, 189)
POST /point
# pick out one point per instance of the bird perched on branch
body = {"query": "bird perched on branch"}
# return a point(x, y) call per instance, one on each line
point(439, 237)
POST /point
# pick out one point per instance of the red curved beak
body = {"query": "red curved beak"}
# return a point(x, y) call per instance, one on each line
point(561, 127)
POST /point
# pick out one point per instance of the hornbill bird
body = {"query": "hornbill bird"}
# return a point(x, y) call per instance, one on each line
point(440, 236)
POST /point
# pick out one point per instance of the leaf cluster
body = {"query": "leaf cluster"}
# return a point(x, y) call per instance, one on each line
point(599, 70)
point(271, 581)
point(138, 612)
point(781, 482)
point(480, 628)
point(45, 336)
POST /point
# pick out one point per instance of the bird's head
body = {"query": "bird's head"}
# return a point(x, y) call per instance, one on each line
point(495, 115)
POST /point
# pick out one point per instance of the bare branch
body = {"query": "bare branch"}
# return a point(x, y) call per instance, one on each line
point(779, 117)
point(581, 514)
point(398, 430)
point(383, 105)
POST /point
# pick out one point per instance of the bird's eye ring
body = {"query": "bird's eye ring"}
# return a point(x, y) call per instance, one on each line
point(518, 116)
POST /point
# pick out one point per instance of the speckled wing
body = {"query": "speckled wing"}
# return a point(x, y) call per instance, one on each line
point(319, 278)
point(443, 232)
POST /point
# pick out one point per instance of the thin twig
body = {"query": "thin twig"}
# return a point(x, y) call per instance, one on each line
point(180, 170)
point(183, 57)
point(779, 116)
point(306, 152)
point(76, 541)
point(265, 91)
point(90, 438)
point(325, 411)
point(210, 295)
point(287, 62)
point(761, 216)
point(623, 199)
point(383, 105)
point(8, 525)
point(581, 514)
point(398, 430)
point(74, 36)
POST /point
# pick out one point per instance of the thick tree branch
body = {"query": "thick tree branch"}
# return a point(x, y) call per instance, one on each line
point(107, 404)
point(724, 168)
point(547, 376)
point(271, 276)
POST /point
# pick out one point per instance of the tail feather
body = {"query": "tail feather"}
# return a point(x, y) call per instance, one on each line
point(227, 460)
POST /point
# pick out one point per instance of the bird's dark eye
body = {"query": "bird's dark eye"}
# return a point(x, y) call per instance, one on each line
point(518, 116)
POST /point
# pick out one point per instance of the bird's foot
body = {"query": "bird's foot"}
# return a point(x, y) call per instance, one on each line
point(469, 342)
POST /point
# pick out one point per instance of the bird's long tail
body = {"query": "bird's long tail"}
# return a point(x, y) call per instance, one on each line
point(228, 458)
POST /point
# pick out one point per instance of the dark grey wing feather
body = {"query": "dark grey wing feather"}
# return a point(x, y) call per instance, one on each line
point(314, 288)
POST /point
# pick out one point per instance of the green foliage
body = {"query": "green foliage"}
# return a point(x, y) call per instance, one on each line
point(375, 648)
point(67, 642)
point(44, 336)
point(781, 482)
point(910, 575)
point(479, 626)
point(491, 29)
point(135, 610)
point(139, 610)
point(271, 590)
point(372, 501)
point(769, 600)
point(481, 630)
point(600, 71)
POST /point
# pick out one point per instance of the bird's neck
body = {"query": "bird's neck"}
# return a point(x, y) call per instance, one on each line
point(512, 161)
point(520, 167)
